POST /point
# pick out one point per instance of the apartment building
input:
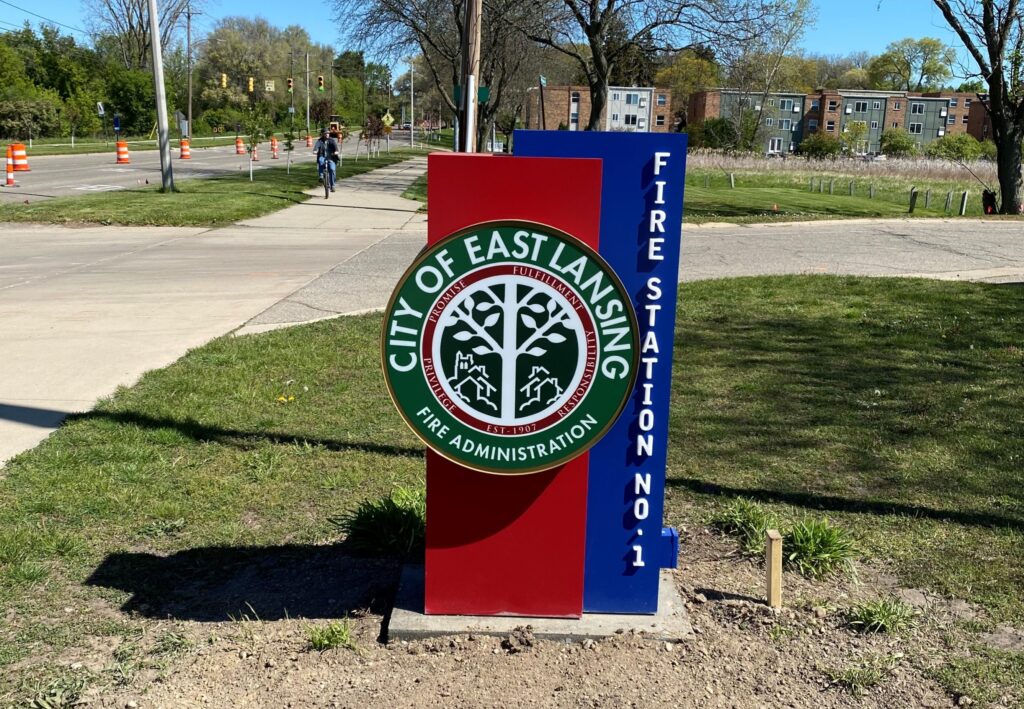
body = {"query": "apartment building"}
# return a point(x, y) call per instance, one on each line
point(926, 116)
point(629, 108)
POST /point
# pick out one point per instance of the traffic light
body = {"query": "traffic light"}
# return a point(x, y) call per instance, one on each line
point(250, 84)
point(291, 84)
point(320, 83)
point(223, 81)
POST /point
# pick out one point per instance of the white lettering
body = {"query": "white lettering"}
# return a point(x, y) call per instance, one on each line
point(660, 161)
point(435, 274)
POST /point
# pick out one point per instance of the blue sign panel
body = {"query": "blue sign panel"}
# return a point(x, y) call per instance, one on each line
point(641, 221)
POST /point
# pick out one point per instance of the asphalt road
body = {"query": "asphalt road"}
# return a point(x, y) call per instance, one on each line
point(61, 175)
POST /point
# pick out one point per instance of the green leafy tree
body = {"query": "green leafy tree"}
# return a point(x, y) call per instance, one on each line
point(819, 146)
point(688, 73)
point(854, 135)
point(959, 147)
point(35, 117)
point(898, 143)
point(912, 65)
point(714, 133)
point(131, 96)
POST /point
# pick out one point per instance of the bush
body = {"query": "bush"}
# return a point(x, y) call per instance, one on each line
point(818, 548)
point(959, 148)
point(820, 146)
point(746, 520)
point(898, 143)
point(36, 117)
point(391, 526)
point(882, 616)
point(714, 133)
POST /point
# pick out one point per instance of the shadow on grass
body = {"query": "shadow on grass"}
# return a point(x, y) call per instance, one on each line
point(219, 583)
point(814, 501)
point(240, 438)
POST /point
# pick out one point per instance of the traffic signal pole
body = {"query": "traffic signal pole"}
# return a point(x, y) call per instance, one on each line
point(166, 174)
point(307, 94)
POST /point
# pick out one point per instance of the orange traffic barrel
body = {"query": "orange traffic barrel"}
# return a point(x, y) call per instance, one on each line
point(122, 152)
point(309, 141)
point(239, 147)
point(10, 167)
point(20, 157)
point(255, 155)
point(186, 149)
point(273, 147)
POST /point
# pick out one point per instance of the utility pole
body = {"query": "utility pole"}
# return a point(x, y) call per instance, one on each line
point(470, 74)
point(412, 99)
point(166, 174)
point(188, 51)
point(291, 78)
point(307, 94)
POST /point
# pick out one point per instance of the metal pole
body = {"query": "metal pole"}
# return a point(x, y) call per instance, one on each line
point(307, 94)
point(471, 70)
point(166, 174)
point(291, 75)
point(412, 100)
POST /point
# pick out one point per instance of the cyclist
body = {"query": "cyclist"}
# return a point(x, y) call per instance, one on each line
point(326, 150)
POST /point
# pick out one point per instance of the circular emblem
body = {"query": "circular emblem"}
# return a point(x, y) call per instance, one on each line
point(510, 347)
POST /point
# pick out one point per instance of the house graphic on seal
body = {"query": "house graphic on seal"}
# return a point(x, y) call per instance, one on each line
point(540, 386)
point(473, 383)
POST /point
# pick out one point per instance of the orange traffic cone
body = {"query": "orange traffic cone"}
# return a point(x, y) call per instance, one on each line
point(273, 148)
point(10, 167)
point(255, 155)
point(309, 141)
point(239, 147)
point(186, 149)
point(20, 157)
point(122, 152)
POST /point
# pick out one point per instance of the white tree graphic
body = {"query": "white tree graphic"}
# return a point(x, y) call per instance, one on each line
point(488, 320)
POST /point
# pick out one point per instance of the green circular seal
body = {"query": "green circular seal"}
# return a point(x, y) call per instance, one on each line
point(510, 347)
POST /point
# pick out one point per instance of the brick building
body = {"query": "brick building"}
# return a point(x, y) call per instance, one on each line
point(926, 116)
point(629, 108)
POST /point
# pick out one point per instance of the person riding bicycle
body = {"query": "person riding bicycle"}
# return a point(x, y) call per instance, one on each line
point(326, 150)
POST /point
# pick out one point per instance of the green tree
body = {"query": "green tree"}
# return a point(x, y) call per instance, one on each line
point(688, 73)
point(854, 135)
point(819, 146)
point(131, 96)
point(912, 65)
point(898, 143)
point(959, 147)
point(714, 133)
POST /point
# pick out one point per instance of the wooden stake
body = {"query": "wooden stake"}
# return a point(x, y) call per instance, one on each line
point(773, 565)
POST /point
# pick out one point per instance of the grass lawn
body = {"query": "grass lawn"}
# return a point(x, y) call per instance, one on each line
point(782, 197)
point(891, 406)
point(206, 202)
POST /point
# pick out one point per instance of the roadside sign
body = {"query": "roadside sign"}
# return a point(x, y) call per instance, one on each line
point(388, 119)
point(117, 123)
point(268, 86)
point(291, 109)
point(387, 130)
point(99, 109)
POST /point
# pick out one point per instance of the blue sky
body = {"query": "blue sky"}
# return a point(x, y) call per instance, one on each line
point(843, 25)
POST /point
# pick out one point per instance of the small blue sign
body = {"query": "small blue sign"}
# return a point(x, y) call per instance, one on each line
point(117, 123)
point(641, 219)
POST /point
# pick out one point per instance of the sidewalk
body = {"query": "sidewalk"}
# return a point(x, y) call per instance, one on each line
point(84, 311)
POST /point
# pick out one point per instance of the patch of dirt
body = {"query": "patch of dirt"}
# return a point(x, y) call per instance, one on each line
point(1005, 638)
point(742, 654)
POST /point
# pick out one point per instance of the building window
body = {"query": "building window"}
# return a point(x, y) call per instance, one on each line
point(916, 109)
point(659, 120)
point(876, 105)
point(632, 99)
point(574, 117)
point(952, 103)
point(830, 126)
point(895, 124)
point(812, 125)
point(815, 104)
point(874, 125)
point(897, 105)
point(615, 117)
point(916, 128)
point(965, 118)
point(967, 103)
point(832, 104)
point(786, 104)
point(629, 119)
point(662, 99)
point(775, 145)
point(860, 106)
point(769, 121)
point(575, 96)
point(771, 102)
point(785, 124)
point(951, 120)
point(615, 96)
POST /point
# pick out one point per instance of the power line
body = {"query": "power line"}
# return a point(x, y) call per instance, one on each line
point(54, 22)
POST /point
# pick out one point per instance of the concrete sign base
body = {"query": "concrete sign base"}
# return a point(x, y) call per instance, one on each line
point(408, 622)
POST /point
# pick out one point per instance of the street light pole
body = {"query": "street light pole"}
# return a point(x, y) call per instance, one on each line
point(470, 74)
point(412, 99)
point(307, 95)
point(166, 173)
point(188, 51)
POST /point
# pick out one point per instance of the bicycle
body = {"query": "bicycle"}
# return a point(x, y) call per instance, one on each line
point(326, 175)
